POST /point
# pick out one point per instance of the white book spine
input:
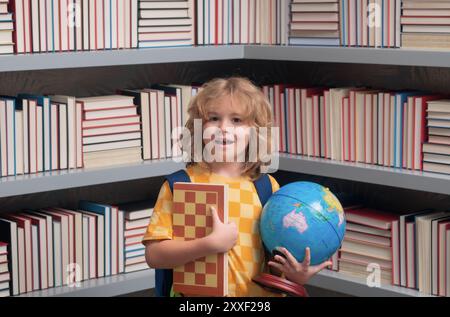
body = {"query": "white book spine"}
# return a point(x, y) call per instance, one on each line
point(47, 135)
point(64, 27)
point(85, 23)
point(114, 26)
point(108, 25)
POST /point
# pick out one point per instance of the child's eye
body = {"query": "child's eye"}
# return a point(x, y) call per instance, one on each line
point(213, 118)
point(236, 120)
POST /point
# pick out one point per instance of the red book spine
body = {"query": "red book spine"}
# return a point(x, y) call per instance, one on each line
point(413, 165)
point(95, 25)
point(389, 163)
point(104, 29)
point(157, 127)
point(29, 24)
point(248, 22)
point(131, 25)
point(389, 24)
point(349, 133)
point(216, 22)
point(324, 139)
point(342, 127)
point(232, 22)
point(349, 33)
point(372, 137)
point(59, 26)
point(365, 133)
point(270, 23)
point(313, 124)
point(45, 29)
point(68, 29)
point(354, 129)
point(117, 24)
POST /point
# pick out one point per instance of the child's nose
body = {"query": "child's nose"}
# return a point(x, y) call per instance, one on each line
point(225, 124)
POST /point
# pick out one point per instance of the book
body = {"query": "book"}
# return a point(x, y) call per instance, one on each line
point(192, 219)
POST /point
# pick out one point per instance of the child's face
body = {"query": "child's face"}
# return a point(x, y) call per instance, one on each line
point(226, 118)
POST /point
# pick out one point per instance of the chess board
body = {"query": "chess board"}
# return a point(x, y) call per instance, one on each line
point(192, 219)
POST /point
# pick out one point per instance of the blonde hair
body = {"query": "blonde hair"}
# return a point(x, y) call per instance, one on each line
point(256, 111)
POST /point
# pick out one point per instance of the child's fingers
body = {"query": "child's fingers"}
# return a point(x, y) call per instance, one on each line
point(320, 267)
point(307, 260)
point(290, 258)
point(280, 259)
point(214, 214)
point(277, 266)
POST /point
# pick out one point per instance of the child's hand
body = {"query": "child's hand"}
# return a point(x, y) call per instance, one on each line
point(224, 236)
point(296, 272)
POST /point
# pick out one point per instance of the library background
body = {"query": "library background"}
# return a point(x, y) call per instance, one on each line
point(90, 90)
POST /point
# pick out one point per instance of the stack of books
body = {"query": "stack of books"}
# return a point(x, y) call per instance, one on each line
point(74, 25)
point(4, 271)
point(222, 22)
point(369, 243)
point(6, 29)
point(39, 133)
point(111, 131)
point(425, 24)
point(137, 217)
point(166, 23)
point(163, 110)
point(56, 246)
point(433, 253)
point(314, 23)
point(372, 23)
point(436, 152)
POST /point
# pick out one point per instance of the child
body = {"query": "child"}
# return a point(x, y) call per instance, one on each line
point(231, 106)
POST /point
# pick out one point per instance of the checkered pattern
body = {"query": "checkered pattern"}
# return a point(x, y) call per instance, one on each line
point(201, 272)
point(192, 219)
point(246, 259)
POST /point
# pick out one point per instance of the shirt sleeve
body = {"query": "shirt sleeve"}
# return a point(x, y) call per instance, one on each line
point(160, 227)
point(275, 185)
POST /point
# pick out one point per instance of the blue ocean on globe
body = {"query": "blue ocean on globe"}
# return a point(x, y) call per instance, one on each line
point(300, 215)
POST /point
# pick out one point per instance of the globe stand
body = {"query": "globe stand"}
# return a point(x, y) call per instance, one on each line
point(279, 284)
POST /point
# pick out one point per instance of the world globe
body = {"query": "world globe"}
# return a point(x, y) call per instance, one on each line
point(300, 215)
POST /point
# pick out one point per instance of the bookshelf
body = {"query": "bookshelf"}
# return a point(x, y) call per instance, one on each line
point(44, 61)
point(366, 173)
point(103, 287)
point(60, 180)
point(65, 179)
point(143, 280)
point(397, 57)
point(340, 283)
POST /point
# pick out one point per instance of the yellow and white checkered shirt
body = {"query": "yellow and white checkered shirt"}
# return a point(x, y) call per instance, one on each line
point(246, 259)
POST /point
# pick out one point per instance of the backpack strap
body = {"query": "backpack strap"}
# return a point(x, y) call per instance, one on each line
point(178, 177)
point(164, 277)
point(264, 188)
